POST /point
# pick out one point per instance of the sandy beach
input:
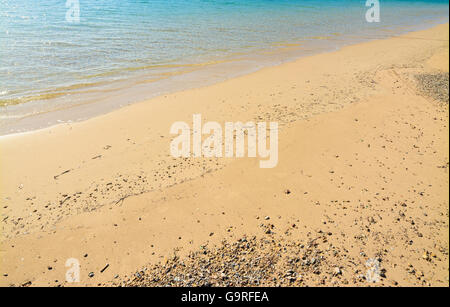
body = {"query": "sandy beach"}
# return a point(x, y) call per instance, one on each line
point(361, 183)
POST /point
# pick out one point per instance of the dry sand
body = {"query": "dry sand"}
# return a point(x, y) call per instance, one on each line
point(362, 177)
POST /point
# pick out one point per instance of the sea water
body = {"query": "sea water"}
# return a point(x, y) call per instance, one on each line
point(122, 51)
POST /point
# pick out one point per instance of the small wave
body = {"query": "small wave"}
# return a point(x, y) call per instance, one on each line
point(15, 116)
point(13, 101)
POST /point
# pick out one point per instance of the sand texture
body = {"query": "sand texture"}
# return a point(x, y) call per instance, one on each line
point(361, 184)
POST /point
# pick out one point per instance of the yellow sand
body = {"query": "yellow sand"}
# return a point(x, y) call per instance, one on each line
point(357, 143)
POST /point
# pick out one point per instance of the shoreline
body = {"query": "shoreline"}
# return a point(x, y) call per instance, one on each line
point(96, 106)
point(363, 154)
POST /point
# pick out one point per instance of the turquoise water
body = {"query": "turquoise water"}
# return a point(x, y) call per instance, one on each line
point(43, 56)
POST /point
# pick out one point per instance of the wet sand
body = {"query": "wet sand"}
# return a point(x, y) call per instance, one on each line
point(362, 178)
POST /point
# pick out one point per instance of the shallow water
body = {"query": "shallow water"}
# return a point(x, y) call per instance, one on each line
point(156, 46)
